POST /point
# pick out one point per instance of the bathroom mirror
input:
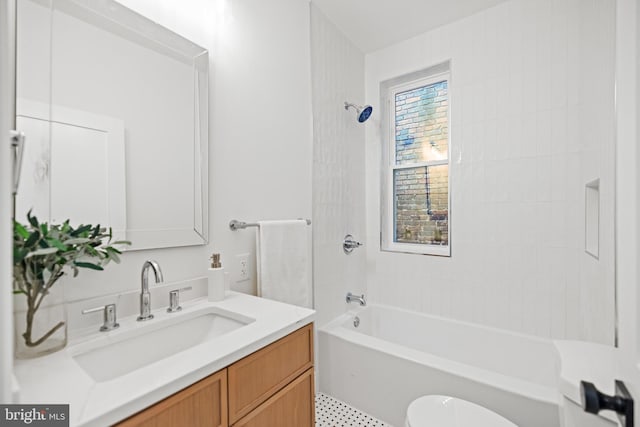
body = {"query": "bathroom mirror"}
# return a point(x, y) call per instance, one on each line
point(115, 111)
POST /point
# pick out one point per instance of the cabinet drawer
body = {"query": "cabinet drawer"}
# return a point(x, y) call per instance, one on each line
point(203, 404)
point(290, 407)
point(255, 378)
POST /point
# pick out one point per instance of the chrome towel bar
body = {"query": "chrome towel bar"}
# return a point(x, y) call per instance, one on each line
point(241, 225)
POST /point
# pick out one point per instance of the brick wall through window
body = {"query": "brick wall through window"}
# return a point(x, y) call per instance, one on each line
point(421, 193)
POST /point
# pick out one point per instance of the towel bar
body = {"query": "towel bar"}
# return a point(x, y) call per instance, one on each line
point(241, 225)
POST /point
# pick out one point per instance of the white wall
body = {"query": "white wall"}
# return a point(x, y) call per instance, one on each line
point(338, 167)
point(260, 125)
point(532, 122)
point(261, 152)
point(260, 131)
point(7, 10)
point(628, 192)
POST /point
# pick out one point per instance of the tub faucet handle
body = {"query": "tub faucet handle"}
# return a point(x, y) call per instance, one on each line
point(349, 244)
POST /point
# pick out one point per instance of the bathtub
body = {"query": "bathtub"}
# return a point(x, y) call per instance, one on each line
point(395, 356)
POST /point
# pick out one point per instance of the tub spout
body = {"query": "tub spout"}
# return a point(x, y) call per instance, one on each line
point(360, 299)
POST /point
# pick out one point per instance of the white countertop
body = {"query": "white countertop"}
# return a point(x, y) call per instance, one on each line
point(57, 378)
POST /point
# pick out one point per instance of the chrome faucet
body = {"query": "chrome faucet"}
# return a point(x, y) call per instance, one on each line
point(145, 296)
point(351, 298)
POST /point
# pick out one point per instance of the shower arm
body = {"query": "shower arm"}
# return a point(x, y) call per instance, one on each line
point(348, 104)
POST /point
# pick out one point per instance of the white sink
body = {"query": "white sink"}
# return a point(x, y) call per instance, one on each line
point(136, 346)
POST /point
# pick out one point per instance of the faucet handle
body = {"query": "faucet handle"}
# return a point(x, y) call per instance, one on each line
point(174, 299)
point(349, 244)
point(109, 316)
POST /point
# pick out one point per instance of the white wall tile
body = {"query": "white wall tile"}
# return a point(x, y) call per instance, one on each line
point(338, 168)
point(514, 125)
point(543, 132)
point(527, 134)
point(558, 292)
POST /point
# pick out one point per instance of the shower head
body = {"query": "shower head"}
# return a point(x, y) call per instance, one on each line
point(364, 112)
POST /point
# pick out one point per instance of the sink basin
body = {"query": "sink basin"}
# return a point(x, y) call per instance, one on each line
point(124, 351)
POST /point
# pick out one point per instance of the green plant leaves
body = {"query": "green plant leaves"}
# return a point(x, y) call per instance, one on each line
point(20, 230)
point(87, 265)
point(77, 241)
point(112, 253)
point(58, 244)
point(42, 252)
point(19, 254)
point(32, 219)
point(33, 238)
point(80, 231)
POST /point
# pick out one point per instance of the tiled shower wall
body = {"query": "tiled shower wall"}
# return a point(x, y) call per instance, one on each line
point(337, 69)
point(532, 121)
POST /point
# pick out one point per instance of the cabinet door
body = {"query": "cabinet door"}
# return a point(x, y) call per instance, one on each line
point(257, 377)
point(293, 406)
point(204, 404)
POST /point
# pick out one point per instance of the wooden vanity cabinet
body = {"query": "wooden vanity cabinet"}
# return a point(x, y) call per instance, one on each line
point(203, 404)
point(273, 387)
point(290, 407)
point(260, 375)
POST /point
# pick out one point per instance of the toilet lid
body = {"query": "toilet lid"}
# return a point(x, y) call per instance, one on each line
point(445, 411)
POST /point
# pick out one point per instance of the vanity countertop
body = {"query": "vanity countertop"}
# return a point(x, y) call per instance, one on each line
point(58, 379)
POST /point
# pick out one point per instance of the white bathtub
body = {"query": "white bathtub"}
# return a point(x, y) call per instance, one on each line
point(397, 355)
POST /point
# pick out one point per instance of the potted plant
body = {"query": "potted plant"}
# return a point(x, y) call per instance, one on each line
point(42, 254)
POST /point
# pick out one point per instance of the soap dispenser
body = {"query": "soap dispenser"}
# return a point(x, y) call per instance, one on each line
point(216, 279)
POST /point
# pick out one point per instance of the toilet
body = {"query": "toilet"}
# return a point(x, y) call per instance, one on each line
point(445, 411)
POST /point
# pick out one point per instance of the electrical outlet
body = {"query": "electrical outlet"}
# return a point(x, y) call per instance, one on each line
point(242, 261)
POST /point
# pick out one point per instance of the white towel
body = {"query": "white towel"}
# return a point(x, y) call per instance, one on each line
point(284, 267)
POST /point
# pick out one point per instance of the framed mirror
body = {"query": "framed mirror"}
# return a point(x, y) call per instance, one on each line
point(115, 111)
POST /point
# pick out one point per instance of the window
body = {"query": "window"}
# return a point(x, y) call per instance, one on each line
point(416, 173)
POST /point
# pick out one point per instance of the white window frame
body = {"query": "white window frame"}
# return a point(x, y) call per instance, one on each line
point(389, 159)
